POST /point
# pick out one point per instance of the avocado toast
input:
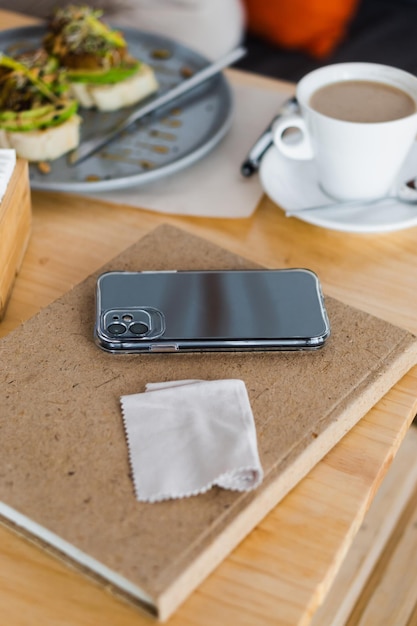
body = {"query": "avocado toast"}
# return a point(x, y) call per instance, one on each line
point(99, 68)
point(37, 118)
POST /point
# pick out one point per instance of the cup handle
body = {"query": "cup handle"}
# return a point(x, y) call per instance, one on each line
point(302, 149)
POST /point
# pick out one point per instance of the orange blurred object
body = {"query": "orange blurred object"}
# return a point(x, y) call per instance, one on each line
point(312, 26)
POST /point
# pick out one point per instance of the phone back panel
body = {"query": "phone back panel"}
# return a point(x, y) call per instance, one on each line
point(139, 311)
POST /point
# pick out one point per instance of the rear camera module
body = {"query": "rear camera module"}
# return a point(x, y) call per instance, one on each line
point(136, 324)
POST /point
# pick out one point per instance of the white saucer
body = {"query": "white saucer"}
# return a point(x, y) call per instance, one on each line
point(293, 185)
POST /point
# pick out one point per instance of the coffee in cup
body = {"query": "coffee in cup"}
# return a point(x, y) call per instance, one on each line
point(358, 121)
point(362, 101)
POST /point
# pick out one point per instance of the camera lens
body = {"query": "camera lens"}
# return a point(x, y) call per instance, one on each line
point(139, 328)
point(116, 329)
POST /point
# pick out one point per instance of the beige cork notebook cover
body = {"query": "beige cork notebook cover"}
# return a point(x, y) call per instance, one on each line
point(64, 470)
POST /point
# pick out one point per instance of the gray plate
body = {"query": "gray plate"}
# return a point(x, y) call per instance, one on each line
point(160, 144)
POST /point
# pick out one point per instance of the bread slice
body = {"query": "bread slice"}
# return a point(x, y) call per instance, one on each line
point(110, 97)
point(46, 144)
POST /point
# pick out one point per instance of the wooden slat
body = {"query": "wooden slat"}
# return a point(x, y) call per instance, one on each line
point(373, 536)
point(390, 596)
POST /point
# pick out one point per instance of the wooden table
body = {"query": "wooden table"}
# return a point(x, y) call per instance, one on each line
point(282, 571)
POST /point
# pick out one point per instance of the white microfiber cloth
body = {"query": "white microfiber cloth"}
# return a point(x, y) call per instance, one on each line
point(186, 436)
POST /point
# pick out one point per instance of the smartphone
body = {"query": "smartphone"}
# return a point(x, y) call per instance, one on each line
point(185, 311)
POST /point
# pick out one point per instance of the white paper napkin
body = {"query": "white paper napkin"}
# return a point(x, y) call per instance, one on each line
point(184, 437)
point(213, 187)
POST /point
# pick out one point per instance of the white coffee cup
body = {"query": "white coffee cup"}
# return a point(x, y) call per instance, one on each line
point(353, 159)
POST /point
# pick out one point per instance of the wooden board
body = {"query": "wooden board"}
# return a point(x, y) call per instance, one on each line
point(15, 226)
point(64, 458)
